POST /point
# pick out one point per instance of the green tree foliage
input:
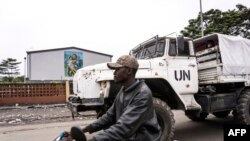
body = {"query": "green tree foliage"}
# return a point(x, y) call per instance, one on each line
point(12, 79)
point(9, 69)
point(231, 22)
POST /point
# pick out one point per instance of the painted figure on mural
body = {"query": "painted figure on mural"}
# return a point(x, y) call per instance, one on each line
point(73, 60)
point(72, 65)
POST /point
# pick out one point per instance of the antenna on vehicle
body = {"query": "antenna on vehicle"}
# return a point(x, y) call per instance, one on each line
point(171, 34)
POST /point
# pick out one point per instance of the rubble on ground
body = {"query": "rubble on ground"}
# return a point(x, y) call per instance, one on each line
point(20, 115)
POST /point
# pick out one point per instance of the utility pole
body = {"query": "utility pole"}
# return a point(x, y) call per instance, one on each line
point(24, 80)
point(202, 32)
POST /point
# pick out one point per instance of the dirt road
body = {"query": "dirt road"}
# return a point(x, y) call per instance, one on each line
point(38, 132)
point(38, 122)
point(50, 127)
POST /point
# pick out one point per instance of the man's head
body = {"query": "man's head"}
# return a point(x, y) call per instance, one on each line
point(125, 68)
point(73, 56)
point(124, 61)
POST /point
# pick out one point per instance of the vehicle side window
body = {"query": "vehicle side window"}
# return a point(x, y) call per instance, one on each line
point(181, 51)
point(160, 49)
point(184, 51)
point(172, 48)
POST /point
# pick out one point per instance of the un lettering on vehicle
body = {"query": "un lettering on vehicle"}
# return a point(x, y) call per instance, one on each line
point(182, 75)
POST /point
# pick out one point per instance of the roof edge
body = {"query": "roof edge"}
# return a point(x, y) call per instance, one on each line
point(63, 48)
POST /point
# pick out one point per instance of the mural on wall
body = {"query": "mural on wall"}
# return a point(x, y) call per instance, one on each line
point(73, 60)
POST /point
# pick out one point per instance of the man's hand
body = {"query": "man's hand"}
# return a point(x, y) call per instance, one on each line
point(66, 136)
point(69, 138)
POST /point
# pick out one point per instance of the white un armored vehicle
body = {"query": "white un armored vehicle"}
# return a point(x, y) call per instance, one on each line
point(207, 75)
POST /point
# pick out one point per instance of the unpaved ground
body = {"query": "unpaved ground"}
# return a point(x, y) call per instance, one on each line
point(185, 129)
point(35, 114)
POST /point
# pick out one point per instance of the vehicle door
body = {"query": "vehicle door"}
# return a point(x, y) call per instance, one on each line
point(182, 66)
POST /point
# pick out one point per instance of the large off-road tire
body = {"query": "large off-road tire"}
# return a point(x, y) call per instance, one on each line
point(222, 114)
point(196, 115)
point(243, 107)
point(165, 118)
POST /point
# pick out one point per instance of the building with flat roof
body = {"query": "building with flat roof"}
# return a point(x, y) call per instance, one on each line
point(61, 63)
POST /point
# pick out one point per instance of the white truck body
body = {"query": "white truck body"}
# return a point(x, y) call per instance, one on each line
point(179, 71)
point(225, 62)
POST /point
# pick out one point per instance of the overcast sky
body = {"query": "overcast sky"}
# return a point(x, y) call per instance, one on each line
point(108, 26)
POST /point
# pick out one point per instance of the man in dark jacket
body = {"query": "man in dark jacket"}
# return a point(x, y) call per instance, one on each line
point(132, 116)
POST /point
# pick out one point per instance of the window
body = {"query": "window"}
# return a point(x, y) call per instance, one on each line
point(181, 51)
point(151, 50)
point(172, 48)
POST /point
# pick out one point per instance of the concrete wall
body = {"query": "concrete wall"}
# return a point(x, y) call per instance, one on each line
point(49, 65)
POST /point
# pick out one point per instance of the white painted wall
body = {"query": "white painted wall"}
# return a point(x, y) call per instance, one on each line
point(49, 64)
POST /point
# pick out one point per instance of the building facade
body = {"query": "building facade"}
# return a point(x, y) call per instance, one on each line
point(61, 63)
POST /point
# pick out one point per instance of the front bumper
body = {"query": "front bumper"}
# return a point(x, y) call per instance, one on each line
point(75, 104)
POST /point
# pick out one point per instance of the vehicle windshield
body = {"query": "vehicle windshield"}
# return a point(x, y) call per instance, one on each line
point(151, 50)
